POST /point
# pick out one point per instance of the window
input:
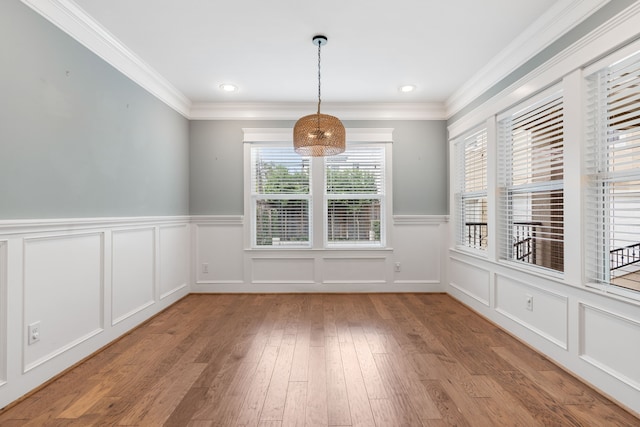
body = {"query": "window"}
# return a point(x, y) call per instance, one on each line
point(280, 197)
point(471, 195)
point(354, 194)
point(613, 176)
point(530, 174)
point(317, 202)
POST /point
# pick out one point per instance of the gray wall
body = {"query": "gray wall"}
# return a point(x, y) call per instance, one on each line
point(78, 138)
point(420, 162)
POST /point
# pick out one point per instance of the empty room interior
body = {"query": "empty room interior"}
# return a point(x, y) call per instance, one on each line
point(339, 213)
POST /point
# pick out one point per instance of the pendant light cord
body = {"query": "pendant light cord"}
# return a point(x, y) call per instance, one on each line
point(319, 80)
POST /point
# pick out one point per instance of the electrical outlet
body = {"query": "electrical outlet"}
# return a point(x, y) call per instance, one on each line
point(205, 267)
point(397, 267)
point(33, 333)
point(529, 300)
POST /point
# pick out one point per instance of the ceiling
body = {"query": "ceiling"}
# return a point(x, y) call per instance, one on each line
point(450, 50)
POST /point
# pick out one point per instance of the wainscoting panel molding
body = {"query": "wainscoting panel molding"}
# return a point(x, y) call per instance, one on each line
point(413, 262)
point(611, 342)
point(174, 258)
point(3, 312)
point(594, 335)
point(219, 252)
point(546, 315)
point(76, 261)
point(417, 249)
point(472, 280)
point(275, 270)
point(133, 272)
point(349, 269)
point(83, 283)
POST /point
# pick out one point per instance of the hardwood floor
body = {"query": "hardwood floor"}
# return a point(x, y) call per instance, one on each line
point(318, 360)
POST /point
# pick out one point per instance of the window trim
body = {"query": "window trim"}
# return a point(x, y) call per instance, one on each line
point(460, 195)
point(317, 224)
point(253, 199)
point(506, 188)
point(597, 274)
point(383, 197)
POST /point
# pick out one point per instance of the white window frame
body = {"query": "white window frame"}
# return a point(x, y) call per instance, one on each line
point(461, 194)
point(382, 197)
point(254, 198)
point(598, 239)
point(317, 224)
point(506, 186)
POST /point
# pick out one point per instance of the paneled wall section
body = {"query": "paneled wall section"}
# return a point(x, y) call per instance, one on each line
point(591, 330)
point(81, 284)
point(413, 263)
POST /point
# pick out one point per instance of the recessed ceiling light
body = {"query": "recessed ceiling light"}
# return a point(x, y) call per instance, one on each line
point(228, 87)
point(407, 88)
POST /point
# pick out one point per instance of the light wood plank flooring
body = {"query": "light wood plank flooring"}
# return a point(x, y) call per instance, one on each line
point(317, 360)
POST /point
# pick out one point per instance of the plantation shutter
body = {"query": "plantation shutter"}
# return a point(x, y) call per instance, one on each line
point(281, 196)
point(471, 197)
point(530, 174)
point(354, 194)
point(613, 168)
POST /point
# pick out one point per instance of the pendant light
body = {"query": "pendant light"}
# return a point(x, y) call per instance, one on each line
point(319, 134)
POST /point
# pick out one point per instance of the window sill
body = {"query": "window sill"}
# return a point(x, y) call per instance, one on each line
point(305, 249)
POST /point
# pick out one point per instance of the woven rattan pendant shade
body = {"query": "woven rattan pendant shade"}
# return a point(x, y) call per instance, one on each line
point(319, 134)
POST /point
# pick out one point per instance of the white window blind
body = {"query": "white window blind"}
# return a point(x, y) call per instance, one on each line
point(530, 174)
point(471, 195)
point(613, 170)
point(280, 196)
point(354, 194)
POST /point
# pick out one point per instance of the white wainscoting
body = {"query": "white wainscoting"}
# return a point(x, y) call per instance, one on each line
point(87, 282)
point(174, 247)
point(219, 251)
point(133, 272)
point(471, 280)
point(63, 291)
point(3, 312)
point(593, 335)
point(547, 316)
point(348, 268)
point(418, 245)
point(222, 263)
point(274, 270)
point(617, 354)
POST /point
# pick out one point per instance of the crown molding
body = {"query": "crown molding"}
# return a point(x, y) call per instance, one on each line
point(74, 21)
point(71, 19)
point(619, 30)
point(554, 23)
point(293, 111)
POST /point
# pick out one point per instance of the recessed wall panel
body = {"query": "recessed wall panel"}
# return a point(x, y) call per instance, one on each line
point(220, 253)
point(354, 270)
point(612, 343)
point(3, 312)
point(417, 248)
point(63, 293)
point(546, 314)
point(282, 270)
point(133, 273)
point(470, 279)
point(174, 258)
